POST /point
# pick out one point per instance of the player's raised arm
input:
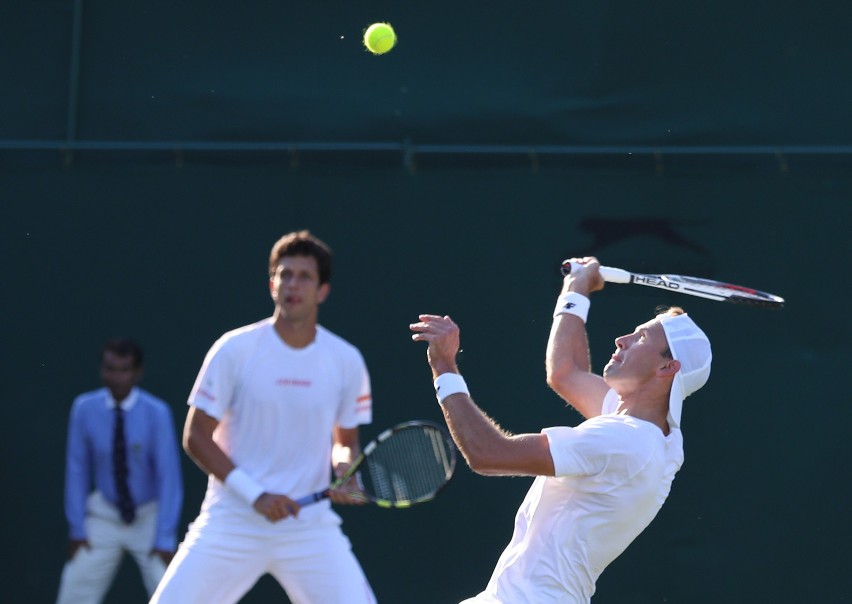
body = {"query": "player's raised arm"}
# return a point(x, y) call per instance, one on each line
point(487, 448)
point(567, 359)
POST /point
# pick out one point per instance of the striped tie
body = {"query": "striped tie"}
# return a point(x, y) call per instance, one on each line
point(119, 463)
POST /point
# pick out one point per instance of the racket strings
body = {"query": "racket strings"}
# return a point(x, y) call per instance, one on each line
point(410, 465)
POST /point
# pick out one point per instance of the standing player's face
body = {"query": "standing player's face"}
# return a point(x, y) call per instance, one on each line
point(118, 374)
point(638, 356)
point(296, 289)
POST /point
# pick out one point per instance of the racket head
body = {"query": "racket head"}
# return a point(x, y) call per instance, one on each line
point(725, 292)
point(407, 464)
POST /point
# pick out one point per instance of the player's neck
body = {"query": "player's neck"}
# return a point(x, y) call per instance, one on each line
point(644, 406)
point(295, 333)
point(653, 416)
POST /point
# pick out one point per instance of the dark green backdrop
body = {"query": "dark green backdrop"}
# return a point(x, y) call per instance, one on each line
point(727, 72)
point(717, 143)
point(175, 256)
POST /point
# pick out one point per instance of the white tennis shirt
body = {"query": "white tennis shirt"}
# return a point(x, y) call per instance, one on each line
point(277, 406)
point(613, 473)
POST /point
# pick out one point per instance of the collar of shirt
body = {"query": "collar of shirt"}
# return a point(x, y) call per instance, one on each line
point(127, 403)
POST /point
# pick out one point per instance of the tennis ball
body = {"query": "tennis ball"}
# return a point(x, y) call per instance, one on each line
point(379, 38)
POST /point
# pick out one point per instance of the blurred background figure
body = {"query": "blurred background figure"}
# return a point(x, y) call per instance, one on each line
point(123, 490)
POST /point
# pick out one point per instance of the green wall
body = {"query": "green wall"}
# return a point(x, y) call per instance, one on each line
point(176, 255)
point(450, 175)
point(727, 72)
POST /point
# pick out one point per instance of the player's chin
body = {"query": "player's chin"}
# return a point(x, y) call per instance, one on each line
point(610, 370)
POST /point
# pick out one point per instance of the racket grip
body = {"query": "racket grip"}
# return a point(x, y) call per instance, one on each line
point(313, 498)
point(609, 274)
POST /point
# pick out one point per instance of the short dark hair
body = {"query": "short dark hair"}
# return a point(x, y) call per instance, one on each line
point(302, 243)
point(124, 347)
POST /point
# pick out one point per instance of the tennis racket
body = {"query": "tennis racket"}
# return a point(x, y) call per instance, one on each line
point(693, 286)
point(407, 464)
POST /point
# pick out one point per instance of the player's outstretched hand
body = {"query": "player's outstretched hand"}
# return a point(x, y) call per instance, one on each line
point(276, 507)
point(443, 336)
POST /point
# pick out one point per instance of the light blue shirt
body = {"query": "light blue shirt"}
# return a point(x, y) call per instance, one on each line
point(152, 459)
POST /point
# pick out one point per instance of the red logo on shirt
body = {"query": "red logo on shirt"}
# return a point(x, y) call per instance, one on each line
point(293, 382)
point(205, 394)
point(364, 402)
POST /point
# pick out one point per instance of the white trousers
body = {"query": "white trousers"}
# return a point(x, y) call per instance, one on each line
point(219, 563)
point(88, 575)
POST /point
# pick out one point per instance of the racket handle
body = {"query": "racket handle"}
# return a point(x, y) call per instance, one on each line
point(313, 498)
point(609, 274)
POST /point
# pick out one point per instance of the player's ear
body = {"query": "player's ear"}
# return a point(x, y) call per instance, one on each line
point(323, 292)
point(670, 367)
point(272, 288)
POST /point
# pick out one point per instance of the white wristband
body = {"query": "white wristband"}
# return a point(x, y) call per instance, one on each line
point(243, 485)
point(572, 303)
point(448, 384)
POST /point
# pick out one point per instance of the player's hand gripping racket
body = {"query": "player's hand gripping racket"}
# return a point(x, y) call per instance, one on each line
point(693, 286)
point(407, 464)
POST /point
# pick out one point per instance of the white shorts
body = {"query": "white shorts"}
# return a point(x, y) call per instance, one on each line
point(220, 562)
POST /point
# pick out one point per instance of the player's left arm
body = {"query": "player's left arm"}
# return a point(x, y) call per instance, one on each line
point(355, 410)
point(346, 447)
point(490, 450)
point(486, 447)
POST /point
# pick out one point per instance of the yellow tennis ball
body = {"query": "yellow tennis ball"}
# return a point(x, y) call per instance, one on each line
point(379, 38)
